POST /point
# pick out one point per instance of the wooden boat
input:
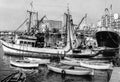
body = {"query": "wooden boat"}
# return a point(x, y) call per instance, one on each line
point(29, 62)
point(76, 62)
point(71, 62)
point(88, 60)
point(108, 36)
point(24, 45)
point(38, 60)
point(95, 65)
point(70, 70)
point(15, 77)
point(24, 64)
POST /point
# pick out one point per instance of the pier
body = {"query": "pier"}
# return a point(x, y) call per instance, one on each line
point(115, 77)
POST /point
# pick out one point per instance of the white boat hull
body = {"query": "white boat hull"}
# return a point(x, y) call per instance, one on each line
point(29, 62)
point(99, 66)
point(72, 63)
point(38, 60)
point(69, 71)
point(24, 65)
point(19, 49)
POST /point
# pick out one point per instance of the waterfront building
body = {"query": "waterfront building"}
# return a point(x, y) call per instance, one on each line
point(110, 20)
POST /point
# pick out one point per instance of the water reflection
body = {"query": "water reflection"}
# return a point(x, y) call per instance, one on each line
point(42, 74)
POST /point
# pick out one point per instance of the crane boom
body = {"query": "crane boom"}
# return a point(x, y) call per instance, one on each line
point(81, 21)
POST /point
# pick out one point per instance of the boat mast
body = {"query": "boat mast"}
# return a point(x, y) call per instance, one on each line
point(30, 15)
point(111, 16)
point(31, 12)
point(69, 26)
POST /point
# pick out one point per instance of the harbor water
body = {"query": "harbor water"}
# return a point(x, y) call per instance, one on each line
point(42, 74)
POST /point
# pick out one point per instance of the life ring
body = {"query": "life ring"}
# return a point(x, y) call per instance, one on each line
point(63, 72)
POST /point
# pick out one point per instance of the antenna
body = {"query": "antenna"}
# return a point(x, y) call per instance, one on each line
point(31, 5)
point(111, 12)
point(68, 11)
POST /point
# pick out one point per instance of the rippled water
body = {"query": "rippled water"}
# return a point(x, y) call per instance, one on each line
point(42, 74)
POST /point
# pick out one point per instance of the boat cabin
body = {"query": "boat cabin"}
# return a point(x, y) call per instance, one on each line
point(26, 42)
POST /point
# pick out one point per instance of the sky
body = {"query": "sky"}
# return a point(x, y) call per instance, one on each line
point(13, 12)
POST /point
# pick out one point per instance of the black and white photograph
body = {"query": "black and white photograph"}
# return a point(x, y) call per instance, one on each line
point(59, 40)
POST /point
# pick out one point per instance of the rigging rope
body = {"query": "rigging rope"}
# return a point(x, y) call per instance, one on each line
point(21, 25)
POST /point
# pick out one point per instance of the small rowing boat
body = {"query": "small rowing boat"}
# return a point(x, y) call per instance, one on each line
point(88, 60)
point(96, 65)
point(70, 70)
point(70, 62)
point(24, 63)
point(38, 60)
point(29, 62)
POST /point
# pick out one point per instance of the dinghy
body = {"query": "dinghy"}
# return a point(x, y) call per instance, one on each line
point(70, 70)
point(29, 62)
point(70, 62)
point(24, 63)
point(76, 62)
point(38, 60)
point(95, 65)
point(88, 60)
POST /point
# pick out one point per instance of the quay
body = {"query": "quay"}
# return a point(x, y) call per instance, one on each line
point(115, 77)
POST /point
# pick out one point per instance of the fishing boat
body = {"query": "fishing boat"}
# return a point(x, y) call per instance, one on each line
point(108, 42)
point(107, 38)
point(29, 62)
point(95, 65)
point(15, 77)
point(29, 45)
point(70, 70)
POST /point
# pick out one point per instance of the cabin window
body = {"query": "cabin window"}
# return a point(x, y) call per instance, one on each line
point(21, 42)
point(25, 42)
point(29, 43)
point(33, 44)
